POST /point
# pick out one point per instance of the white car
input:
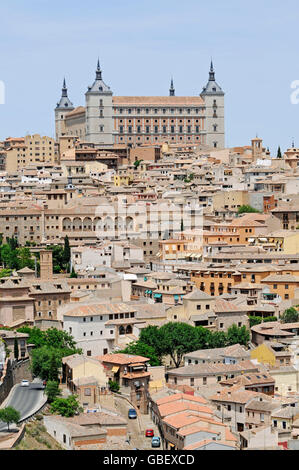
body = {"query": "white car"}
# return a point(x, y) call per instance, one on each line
point(25, 383)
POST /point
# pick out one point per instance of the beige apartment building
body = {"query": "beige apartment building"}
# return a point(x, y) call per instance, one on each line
point(29, 150)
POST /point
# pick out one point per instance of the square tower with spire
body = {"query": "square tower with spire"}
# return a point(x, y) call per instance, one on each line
point(214, 113)
point(99, 114)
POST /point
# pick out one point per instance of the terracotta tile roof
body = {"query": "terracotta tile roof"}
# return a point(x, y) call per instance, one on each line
point(212, 369)
point(229, 436)
point(122, 359)
point(181, 420)
point(196, 428)
point(236, 396)
point(176, 407)
point(226, 306)
point(181, 396)
point(250, 379)
point(158, 100)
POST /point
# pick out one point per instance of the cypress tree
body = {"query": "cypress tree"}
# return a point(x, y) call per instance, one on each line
point(66, 251)
point(16, 349)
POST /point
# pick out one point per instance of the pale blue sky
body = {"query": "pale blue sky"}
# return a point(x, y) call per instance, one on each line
point(254, 46)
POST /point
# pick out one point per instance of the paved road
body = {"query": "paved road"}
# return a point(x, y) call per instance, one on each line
point(25, 400)
point(137, 427)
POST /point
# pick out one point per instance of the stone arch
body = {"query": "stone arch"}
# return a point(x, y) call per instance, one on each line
point(77, 224)
point(129, 330)
point(118, 223)
point(121, 330)
point(129, 223)
point(108, 224)
point(97, 223)
point(66, 224)
point(87, 223)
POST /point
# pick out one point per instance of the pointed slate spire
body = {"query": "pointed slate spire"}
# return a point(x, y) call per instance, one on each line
point(98, 71)
point(212, 73)
point(64, 88)
point(98, 85)
point(212, 88)
point(64, 100)
point(171, 89)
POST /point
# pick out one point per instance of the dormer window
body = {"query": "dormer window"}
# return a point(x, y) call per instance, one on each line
point(100, 88)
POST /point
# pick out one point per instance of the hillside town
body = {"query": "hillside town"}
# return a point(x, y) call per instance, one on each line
point(149, 231)
point(149, 282)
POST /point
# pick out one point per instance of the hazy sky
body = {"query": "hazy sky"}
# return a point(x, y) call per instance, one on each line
point(141, 44)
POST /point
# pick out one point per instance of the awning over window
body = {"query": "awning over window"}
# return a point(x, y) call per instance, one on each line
point(115, 368)
point(176, 297)
point(157, 296)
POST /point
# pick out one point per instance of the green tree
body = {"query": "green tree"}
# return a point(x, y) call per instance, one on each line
point(16, 349)
point(9, 415)
point(237, 335)
point(52, 390)
point(290, 315)
point(178, 339)
point(53, 337)
point(151, 336)
point(204, 337)
point(189, 178)
point(246, 209)
point(218, 340)
point(73, 273)
point(137, 163)
point(36, 336)
point(5, 272)
point(53, 367)
point(114, 386)
point(65, 406)
point(25, 258)
point(257, 320)
point(66, 256)
point(279, 153)
point(59, 339)
point(139, 348)
point(45, 362)
point(12, 242)
point(9, 257)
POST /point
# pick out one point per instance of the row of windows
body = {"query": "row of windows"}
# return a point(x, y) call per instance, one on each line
point(159, 110)
point(156, 129)
point(156, 121)
point(114, 316)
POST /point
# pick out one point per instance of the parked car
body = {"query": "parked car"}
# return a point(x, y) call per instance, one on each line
point(132, 413)
point(25, 383)
point(149, 433)
point(156, 441)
